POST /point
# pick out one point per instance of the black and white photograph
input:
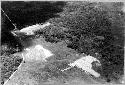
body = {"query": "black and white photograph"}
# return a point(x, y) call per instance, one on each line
point(62, 42)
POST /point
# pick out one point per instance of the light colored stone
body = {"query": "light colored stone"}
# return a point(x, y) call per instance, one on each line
point(37, 52)
point(85, 63)
point(31, 29)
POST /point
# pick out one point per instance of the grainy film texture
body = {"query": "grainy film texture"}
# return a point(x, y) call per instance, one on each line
point(62, 42)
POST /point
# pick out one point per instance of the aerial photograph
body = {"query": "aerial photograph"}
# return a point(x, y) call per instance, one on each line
point(62, 42)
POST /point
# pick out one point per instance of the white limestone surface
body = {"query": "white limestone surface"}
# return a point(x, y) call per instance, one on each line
point(37, 52)
point(31, 29)
point(85, 63)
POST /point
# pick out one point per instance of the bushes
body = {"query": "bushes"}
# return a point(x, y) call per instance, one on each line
point(84, 26)
point(9, 63)
point(91, 28)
